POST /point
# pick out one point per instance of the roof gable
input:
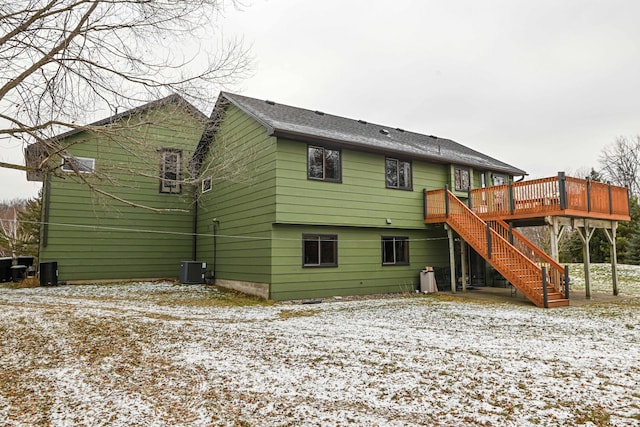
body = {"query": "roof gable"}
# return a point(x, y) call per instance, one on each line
point(36, 153)
point(308, 125)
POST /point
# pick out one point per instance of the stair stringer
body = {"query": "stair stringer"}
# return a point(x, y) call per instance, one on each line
point(519, 270)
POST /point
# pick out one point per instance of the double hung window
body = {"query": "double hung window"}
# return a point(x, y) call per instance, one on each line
point(462, 179)
point(170, 170)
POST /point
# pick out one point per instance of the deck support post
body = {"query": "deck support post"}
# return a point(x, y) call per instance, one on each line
point(556, 230)
point(585, 234)
point(452, 257)
point(611, 237)
point(566, 282)
point(463, 264)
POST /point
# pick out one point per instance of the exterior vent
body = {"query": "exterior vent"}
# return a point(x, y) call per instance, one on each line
point(320, 113)
point(270, 102)
point(384, 131)
point(364, 122)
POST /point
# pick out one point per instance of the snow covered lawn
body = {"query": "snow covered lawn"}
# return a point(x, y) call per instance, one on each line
point(160, 354)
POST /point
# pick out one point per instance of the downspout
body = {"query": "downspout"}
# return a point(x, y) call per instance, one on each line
point(194, 236)
point(215, 246)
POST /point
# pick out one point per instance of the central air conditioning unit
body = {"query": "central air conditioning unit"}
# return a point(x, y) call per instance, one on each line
point(192, 272)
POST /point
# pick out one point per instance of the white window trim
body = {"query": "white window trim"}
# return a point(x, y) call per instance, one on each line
point(206, 185)
point(87, 163)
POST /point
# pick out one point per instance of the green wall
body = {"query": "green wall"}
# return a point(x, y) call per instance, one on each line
point(94, 237)
point(242, 161)
point(260, 219)
point(359, 270)
point(360, 200)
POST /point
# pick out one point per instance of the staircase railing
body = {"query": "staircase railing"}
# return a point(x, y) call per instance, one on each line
point(524, 274)
point(557, 275)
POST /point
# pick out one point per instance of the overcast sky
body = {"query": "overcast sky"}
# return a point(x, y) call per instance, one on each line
point(541, 85)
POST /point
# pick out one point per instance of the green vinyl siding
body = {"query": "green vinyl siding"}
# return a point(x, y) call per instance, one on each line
point(362, 198)
point(242, 205)
point(95, 237)
point(359, 269)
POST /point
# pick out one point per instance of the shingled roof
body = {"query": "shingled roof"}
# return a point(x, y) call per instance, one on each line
point(318, 127)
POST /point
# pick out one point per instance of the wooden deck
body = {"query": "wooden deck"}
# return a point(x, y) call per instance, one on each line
point(532, 201)
point(481, 221)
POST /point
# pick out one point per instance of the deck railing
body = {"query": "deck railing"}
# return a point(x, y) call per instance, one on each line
point(548, 196)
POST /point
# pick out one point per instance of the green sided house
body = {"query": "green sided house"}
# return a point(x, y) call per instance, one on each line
point(289, 203)
point(139, 157)
point(325, 205)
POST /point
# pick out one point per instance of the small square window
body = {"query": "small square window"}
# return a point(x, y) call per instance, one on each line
point(170, 170)
point(462, 179)
point(499, 179)
point(206, 184)
point(398, 174)
point(319, 250)
point(395, 250)
point(78, 164)
point(324, 164)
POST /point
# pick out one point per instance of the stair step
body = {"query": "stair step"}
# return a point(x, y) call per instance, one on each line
point(558, 303)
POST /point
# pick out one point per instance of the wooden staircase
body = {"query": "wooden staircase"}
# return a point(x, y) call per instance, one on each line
point(536, 275)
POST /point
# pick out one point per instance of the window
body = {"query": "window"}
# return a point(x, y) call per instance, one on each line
point(324, 164)
point(499, 179)
point(78, 164)
point(398, 174)
point(206, 184)
point(319, 250)
point(462, 180)
point(395, 250)
point(170, 164)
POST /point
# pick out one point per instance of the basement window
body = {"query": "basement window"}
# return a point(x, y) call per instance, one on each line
point(319, 250)
point(395, 250)
point(78, 164)
point(170, 170)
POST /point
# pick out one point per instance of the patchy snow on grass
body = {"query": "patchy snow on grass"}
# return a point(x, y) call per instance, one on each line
point(158, 354)
point(628, 278)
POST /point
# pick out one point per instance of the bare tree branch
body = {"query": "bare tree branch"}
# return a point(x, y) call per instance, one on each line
point(63, 61)
point(620, 163)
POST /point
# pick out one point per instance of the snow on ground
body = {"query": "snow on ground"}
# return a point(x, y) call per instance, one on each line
point(159, 354)
point(628, 278)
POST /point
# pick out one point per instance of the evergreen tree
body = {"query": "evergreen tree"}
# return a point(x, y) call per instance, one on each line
point(29, 227)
